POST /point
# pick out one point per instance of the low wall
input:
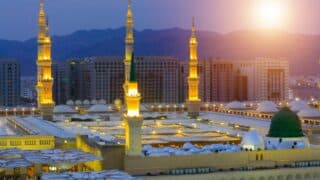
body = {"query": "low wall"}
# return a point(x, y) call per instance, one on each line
point(226, 161)
point(310, 173)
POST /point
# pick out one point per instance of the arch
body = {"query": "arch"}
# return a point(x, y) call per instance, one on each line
point(271, 178)
point(298, 177)
point(316, 176)
point(289, 177)
point(307, 176)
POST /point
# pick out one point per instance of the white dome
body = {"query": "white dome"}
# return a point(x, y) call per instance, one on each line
point(94, 102)
point(86, 102)
point(298, 105)
point(267, 107)
point(84, 117)
point(70, 103)
point(252, 140)
point(236, 105)
point(98, 108)
point(63, 109)
point(102, 101)
point(78, 102)
point(309, 113)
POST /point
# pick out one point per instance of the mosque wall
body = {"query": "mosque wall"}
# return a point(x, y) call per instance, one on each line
point(220, 161)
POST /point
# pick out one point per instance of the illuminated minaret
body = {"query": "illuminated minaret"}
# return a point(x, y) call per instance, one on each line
point(193, 101)
point(129, 45)
point(132, 118)
point(44, 75)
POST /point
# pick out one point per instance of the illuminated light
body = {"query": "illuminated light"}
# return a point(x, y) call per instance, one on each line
point(194, 125)
point(297, 99)
point(158, 124)
point(154, 132)
point(133, 92)
point(222, 123)
point(269, 13)
point(179, 132)
point(236, 126)
point(133, 113)
point(123, 124)
point(65, 141)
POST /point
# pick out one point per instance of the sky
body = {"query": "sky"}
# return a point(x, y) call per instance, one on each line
point(18, 18)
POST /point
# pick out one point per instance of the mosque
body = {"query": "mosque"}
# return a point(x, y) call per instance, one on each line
point(251, 146)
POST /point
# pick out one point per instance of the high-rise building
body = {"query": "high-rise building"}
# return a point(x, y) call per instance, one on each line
point(217, 80)
point(102, 78)
point(248, 80)
point(28, 90)
point(9, 83)
point(44, 62)
point(73, 80)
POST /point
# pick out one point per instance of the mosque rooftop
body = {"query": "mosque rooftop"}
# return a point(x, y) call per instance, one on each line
point(23, 158)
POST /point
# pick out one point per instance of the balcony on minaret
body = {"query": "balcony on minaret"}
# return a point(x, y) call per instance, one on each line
point(133, 100)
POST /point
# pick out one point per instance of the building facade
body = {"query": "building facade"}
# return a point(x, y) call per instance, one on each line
point(164, 79)
point(9, 83)
point(223, 80)
point(102, 78)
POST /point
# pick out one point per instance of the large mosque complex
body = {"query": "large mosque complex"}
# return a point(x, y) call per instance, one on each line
point(196, 140)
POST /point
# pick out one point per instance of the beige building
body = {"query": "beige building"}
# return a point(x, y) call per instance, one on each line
point(260, 79)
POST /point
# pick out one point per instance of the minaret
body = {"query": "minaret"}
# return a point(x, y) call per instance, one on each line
point(132, 118)
point(129, 45)
point(44, 62)
point(193, 101)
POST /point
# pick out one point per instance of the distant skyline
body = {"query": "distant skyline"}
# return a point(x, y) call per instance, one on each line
point(18, 18)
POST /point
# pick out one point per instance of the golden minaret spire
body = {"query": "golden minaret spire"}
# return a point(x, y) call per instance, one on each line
point(44, 63)
point(193, 101)
point(129, 41)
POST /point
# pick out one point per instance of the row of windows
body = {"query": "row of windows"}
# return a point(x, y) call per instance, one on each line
point(26, 142)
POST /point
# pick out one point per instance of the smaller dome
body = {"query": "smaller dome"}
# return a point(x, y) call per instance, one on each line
point(252, 140)
point(70, 103)
point(78, 103)
point(94, 102)
point(298, 105)
point(236, 105)
point(98, 108)
point(267, 107)
point(86, 102)
point(285, 124)
point(309, 113)
point(63, 109)
point(102, 101)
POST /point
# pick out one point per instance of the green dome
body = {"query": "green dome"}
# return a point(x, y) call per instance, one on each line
point(285, 124)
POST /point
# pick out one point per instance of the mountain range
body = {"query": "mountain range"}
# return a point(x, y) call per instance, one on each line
point(302, 51)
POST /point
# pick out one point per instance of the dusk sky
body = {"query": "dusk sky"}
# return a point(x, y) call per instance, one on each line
point(18, 18)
